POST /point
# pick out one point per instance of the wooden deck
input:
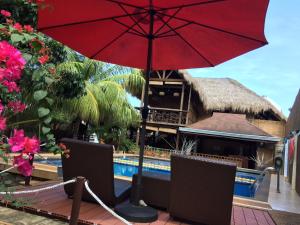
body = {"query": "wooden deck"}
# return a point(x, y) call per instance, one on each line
point(54, 203)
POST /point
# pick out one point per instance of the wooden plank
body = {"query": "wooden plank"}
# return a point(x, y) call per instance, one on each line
point(239, 218)
point(259, 215)
point(249, 217)
point(232, 217)
point(163, 217)
point(268, 218)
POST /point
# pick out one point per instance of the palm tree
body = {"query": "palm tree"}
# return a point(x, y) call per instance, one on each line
point(106, 99)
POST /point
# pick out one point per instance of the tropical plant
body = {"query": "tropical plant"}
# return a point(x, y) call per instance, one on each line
point(106, 89)
point(187, 146)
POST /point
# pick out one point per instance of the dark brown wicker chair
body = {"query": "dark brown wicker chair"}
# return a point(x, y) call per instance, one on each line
point(201, 190)
point(155, 189)
point(95, 163)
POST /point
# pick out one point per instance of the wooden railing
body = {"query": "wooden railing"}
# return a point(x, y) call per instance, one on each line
point(167, 116)
point(166, 153)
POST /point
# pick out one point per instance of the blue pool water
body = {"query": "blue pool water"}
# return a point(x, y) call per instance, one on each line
point(241, 188)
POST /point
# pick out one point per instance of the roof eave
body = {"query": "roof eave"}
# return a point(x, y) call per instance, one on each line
point(211, 133)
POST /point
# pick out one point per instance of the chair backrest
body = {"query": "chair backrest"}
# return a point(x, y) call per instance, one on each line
point(95, 163)
point(201, 190)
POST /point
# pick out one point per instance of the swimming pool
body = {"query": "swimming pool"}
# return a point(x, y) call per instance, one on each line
point(127, 166)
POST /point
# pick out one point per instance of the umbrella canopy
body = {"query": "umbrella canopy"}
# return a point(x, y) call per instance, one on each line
point(155, 35)
point(186, 33)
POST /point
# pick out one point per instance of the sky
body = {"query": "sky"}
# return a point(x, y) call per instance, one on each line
point(273, 70)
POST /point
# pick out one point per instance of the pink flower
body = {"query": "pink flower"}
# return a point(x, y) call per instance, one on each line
point(17, 142)
point(43, 59)
point(5, 13)
point(23, 165)
point(31, 145)
point(17, 106)
point(2, 123)
point(11, 86)
point(18, 27)
point(13, 61)
point(28, 28)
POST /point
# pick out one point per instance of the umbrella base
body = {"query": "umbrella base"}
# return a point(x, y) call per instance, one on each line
point(134, 213)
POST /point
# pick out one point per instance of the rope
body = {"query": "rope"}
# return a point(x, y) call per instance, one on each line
point(103, 205)
point(40, 189)
point(8, 169)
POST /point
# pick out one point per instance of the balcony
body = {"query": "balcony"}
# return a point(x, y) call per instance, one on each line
point(167, 116)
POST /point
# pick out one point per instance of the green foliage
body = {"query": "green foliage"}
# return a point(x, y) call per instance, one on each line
point(21, 10)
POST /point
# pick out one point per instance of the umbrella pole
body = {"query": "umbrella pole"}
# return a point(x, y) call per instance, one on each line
point(135, 212)
point(144, 113)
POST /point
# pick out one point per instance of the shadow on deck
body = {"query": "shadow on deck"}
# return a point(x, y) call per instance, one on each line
point(55, 204)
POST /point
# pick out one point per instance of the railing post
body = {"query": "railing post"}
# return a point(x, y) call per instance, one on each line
point(27, 179)
point(77, 200)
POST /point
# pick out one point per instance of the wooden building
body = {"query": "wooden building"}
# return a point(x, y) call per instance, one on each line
point(293, 125)
point(178, 100)
point(293, 122)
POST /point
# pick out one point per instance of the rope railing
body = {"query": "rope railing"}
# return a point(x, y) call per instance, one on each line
point(98, 200)
point(38, 190)
point(103, 205)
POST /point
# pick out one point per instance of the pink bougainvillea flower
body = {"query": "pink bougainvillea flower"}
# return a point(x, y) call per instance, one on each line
point(13, 61)
point(23, 165)
point(31, 145)
point(28, 28)
point(43, 59)
point(5, 13)
point(11, 86)
point(17, 141)
point(18, 27)
point(2, 123)
point(17, 106)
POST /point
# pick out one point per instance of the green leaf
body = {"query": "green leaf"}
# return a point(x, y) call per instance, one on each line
point(15, 38)
point(50, 101)
point(39, 95)
point(50, 136)
point(43, 112)
point(37, 74)
point(27, 37)
point(49, 80)
point(48, 120)
point(27, 56)
point(45, 130)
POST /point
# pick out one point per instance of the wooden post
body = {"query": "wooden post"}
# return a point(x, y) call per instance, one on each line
point(77, 200)
point(27, 179)
point(181, 103)
point(189, 103)
point(177, 140)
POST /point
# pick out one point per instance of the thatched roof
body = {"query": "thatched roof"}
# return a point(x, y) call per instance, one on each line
point(221, 94)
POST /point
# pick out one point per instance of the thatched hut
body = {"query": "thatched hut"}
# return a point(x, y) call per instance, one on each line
point(178, 100)
point(293, 122)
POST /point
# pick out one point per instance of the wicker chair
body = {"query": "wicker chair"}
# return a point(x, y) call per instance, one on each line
point(95, 163)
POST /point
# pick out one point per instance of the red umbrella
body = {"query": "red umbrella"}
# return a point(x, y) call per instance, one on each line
point(156, 35)
point(186, 33)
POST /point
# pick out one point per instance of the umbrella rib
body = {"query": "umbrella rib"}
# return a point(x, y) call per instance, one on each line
point(164, 24)
point(187, 42)
point(122, 7)
point(215, 28)
point(90, 21)
point(116, 38)
point(127, 26)
point(193, 4)
point(127, 4)
point(174, 28)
